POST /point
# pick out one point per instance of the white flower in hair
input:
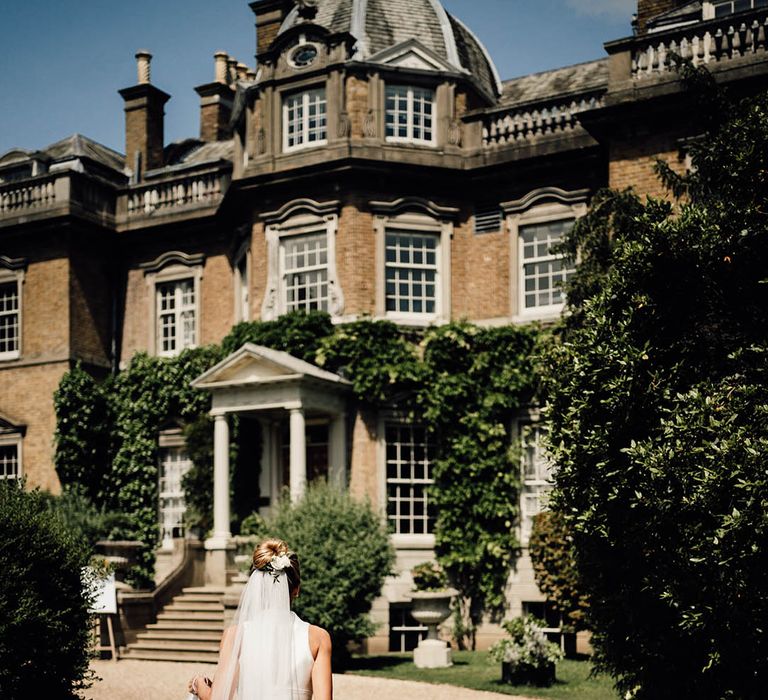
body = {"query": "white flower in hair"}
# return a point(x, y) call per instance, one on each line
point(280, 562)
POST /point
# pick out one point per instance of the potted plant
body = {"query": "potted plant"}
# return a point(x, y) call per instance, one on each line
point(526, 657)
point(431, 606)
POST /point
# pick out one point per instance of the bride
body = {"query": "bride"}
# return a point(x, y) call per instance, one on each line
point(269, 653)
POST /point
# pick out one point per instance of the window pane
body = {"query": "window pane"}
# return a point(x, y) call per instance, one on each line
point(305, 118)
point(411, 262)
point(542, 271)
point(409, 113)
point(409, 459)
point(305, 274)
point(174, 464)
point(176, 316)
point(9, 462)
point(9, 317)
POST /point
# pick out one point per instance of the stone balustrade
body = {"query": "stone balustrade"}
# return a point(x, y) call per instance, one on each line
point(20, 196)
point(206, 189)
point(704, 43)
point(521, 124)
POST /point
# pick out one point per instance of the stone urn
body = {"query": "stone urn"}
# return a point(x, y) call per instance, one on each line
point(122, 555)
point(431, 608)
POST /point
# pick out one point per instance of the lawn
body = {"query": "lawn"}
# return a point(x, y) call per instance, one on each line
point(475, 670)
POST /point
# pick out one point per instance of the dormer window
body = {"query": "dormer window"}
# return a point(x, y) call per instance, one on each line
point(305, 119)
point(410, 114)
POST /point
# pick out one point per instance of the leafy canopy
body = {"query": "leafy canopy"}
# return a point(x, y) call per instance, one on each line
point(657, 396)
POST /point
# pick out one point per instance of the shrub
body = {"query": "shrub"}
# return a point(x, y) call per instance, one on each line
point(529, 656)
point(554, 564)
point(428, 577)
point(44, 618)
point(345, 555)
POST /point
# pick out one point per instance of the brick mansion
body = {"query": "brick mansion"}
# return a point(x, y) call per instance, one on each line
point(371, 163)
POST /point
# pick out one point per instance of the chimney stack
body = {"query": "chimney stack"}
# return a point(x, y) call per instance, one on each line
point(216, 99)
point(144, 120)
point(269, 16)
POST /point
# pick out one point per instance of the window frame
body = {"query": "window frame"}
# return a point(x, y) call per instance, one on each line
point(172, 267)
point(305, 93)
point(298, 218)
point(16, 440)
point(709, 10)
point(170, 440)
point(286, 306)
point(13, 272)
point(546, 310)
point(410, 124)
point(542, 206)
point(390, 220)
point(530, 419)
point(411, 539)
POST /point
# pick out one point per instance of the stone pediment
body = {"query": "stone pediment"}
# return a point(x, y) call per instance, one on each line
point(412, 54)
point(256, 364)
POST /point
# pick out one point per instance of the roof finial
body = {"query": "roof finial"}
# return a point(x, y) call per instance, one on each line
point(307, 8)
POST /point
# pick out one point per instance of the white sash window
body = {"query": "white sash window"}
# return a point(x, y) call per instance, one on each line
point(305, 119)
point(176, 316)
point(410, 114)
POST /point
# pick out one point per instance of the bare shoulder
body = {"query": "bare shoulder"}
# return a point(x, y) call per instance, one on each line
point(318, 639)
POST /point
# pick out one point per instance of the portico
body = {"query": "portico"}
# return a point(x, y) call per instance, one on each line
point(276, 389)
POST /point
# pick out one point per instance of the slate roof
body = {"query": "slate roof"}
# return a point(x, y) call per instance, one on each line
point(194, 151)
point(571, 80)
point(381, 24)
point(79, 146)
point(689, 12)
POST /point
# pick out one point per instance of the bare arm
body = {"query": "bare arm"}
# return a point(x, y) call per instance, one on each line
point(322, 680)
point(204, 691)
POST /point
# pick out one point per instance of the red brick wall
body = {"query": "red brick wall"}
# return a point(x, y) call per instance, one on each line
point(633, 160)
point(356, 259)
point(479, 272)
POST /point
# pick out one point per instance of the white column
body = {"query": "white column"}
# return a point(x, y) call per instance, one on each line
point(298, 468)
point(337, 451)
point(221, 531)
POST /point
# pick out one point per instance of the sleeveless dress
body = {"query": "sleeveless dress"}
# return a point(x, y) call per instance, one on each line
point(303, 661)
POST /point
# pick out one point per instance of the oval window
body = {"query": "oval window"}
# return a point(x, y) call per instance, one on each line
point(303, 55)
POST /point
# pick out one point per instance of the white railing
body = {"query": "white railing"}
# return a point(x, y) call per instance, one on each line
point(531, 122)
point(17, 196)
point(192, 190)
point(708, 42)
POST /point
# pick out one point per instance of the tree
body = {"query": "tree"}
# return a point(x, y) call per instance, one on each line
point(658, 409)
point(44, 611)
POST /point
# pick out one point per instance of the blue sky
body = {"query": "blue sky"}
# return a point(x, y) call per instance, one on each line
point(64, 60)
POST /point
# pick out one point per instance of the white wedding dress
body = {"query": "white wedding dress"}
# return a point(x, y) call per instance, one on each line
point(265, 654)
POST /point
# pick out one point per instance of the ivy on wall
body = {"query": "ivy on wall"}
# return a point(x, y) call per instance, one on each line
point(463, 382)
point(475, 380)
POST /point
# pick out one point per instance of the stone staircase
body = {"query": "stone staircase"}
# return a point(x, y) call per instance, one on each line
point(188, 629)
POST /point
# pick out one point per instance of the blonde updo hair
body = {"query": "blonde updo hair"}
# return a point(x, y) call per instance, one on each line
point(271, 548)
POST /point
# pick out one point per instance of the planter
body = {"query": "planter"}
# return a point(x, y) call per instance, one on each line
point(431, 608)
point(122, 554)
point(525, 674)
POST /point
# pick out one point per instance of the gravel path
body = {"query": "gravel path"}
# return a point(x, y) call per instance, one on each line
point(161, 680)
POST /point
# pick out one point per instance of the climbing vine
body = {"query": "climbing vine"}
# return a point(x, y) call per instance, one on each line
point(462, 382)
point(475, 380)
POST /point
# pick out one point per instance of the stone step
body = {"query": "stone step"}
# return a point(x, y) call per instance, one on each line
point(190, 615)
point(175, 645)
point(180, 635)
point(194, 605)
point(200, 598)
point(171, 655)
point(205, 590)
point(197, 625)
